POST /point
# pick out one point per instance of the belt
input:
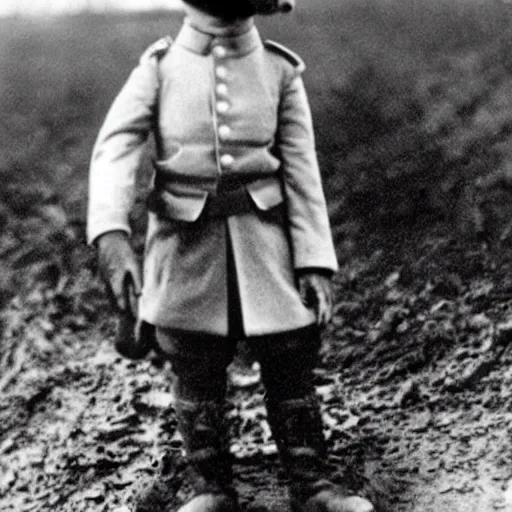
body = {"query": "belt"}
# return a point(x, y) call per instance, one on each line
point(230, 198)
point(228, 203)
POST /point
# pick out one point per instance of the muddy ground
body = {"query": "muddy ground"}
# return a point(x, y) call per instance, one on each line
point(413, 112)
point(415, 383)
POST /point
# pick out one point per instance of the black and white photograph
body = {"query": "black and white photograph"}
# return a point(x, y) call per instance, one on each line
point(256, 256)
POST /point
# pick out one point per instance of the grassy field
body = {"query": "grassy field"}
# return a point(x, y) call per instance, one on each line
point(410, 99)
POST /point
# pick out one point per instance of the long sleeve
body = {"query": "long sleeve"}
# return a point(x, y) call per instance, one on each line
point(310, 231)
point(118, 151)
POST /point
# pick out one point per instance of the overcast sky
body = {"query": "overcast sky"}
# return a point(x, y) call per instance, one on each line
point(45, 7)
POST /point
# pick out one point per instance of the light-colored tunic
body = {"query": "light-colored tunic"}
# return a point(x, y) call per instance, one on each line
point(218, 106)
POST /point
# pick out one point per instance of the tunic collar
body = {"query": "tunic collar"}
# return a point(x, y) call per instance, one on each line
point(202, 43)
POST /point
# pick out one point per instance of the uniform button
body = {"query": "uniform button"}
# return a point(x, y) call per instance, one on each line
point(222, 107)
point(221, 89)
point(221, 72)
point(227, 160)
point(219, 51)
point(224, 131)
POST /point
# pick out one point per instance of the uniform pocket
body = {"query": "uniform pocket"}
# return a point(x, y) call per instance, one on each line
point(171, 149)
point(177, 207)
point(266, 193)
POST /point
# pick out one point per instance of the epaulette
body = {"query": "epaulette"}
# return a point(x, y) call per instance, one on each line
point(159, 48)
point(290, 56)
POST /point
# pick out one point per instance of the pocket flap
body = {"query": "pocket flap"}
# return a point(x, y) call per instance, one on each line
point(266, 193)
point(173, 206)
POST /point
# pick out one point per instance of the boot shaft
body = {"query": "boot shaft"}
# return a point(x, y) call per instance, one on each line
point(203, 428)
point(297, 427)
point(298, 432)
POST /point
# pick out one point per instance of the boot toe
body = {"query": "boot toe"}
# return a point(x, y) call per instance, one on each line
point(330, 501)
point(210, 503)
point(356, 504)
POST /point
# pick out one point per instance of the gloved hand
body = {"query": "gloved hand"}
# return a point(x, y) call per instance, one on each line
point(119, 268)
point(316, 292)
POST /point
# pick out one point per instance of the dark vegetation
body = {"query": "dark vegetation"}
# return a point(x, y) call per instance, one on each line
point(410, 99)
point(412, 102)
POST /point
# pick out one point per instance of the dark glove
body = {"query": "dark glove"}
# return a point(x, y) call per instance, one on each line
point(119, 268)
point(316, 292)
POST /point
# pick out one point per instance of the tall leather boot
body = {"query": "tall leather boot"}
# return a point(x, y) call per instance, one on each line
point(207, 452)
point(298, 431)
point(206, 466)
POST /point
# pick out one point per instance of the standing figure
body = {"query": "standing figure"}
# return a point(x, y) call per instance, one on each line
point(238, 243)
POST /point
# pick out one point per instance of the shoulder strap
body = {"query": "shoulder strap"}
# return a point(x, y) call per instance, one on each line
point(159, 48)
point(286, 53)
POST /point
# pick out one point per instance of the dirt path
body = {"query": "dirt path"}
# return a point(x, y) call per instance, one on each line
point(416, 386)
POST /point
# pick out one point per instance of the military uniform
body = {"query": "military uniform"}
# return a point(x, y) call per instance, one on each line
point(232, 112)
point(237, 212)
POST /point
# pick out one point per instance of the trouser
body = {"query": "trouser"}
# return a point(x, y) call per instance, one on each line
point(199, 362)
